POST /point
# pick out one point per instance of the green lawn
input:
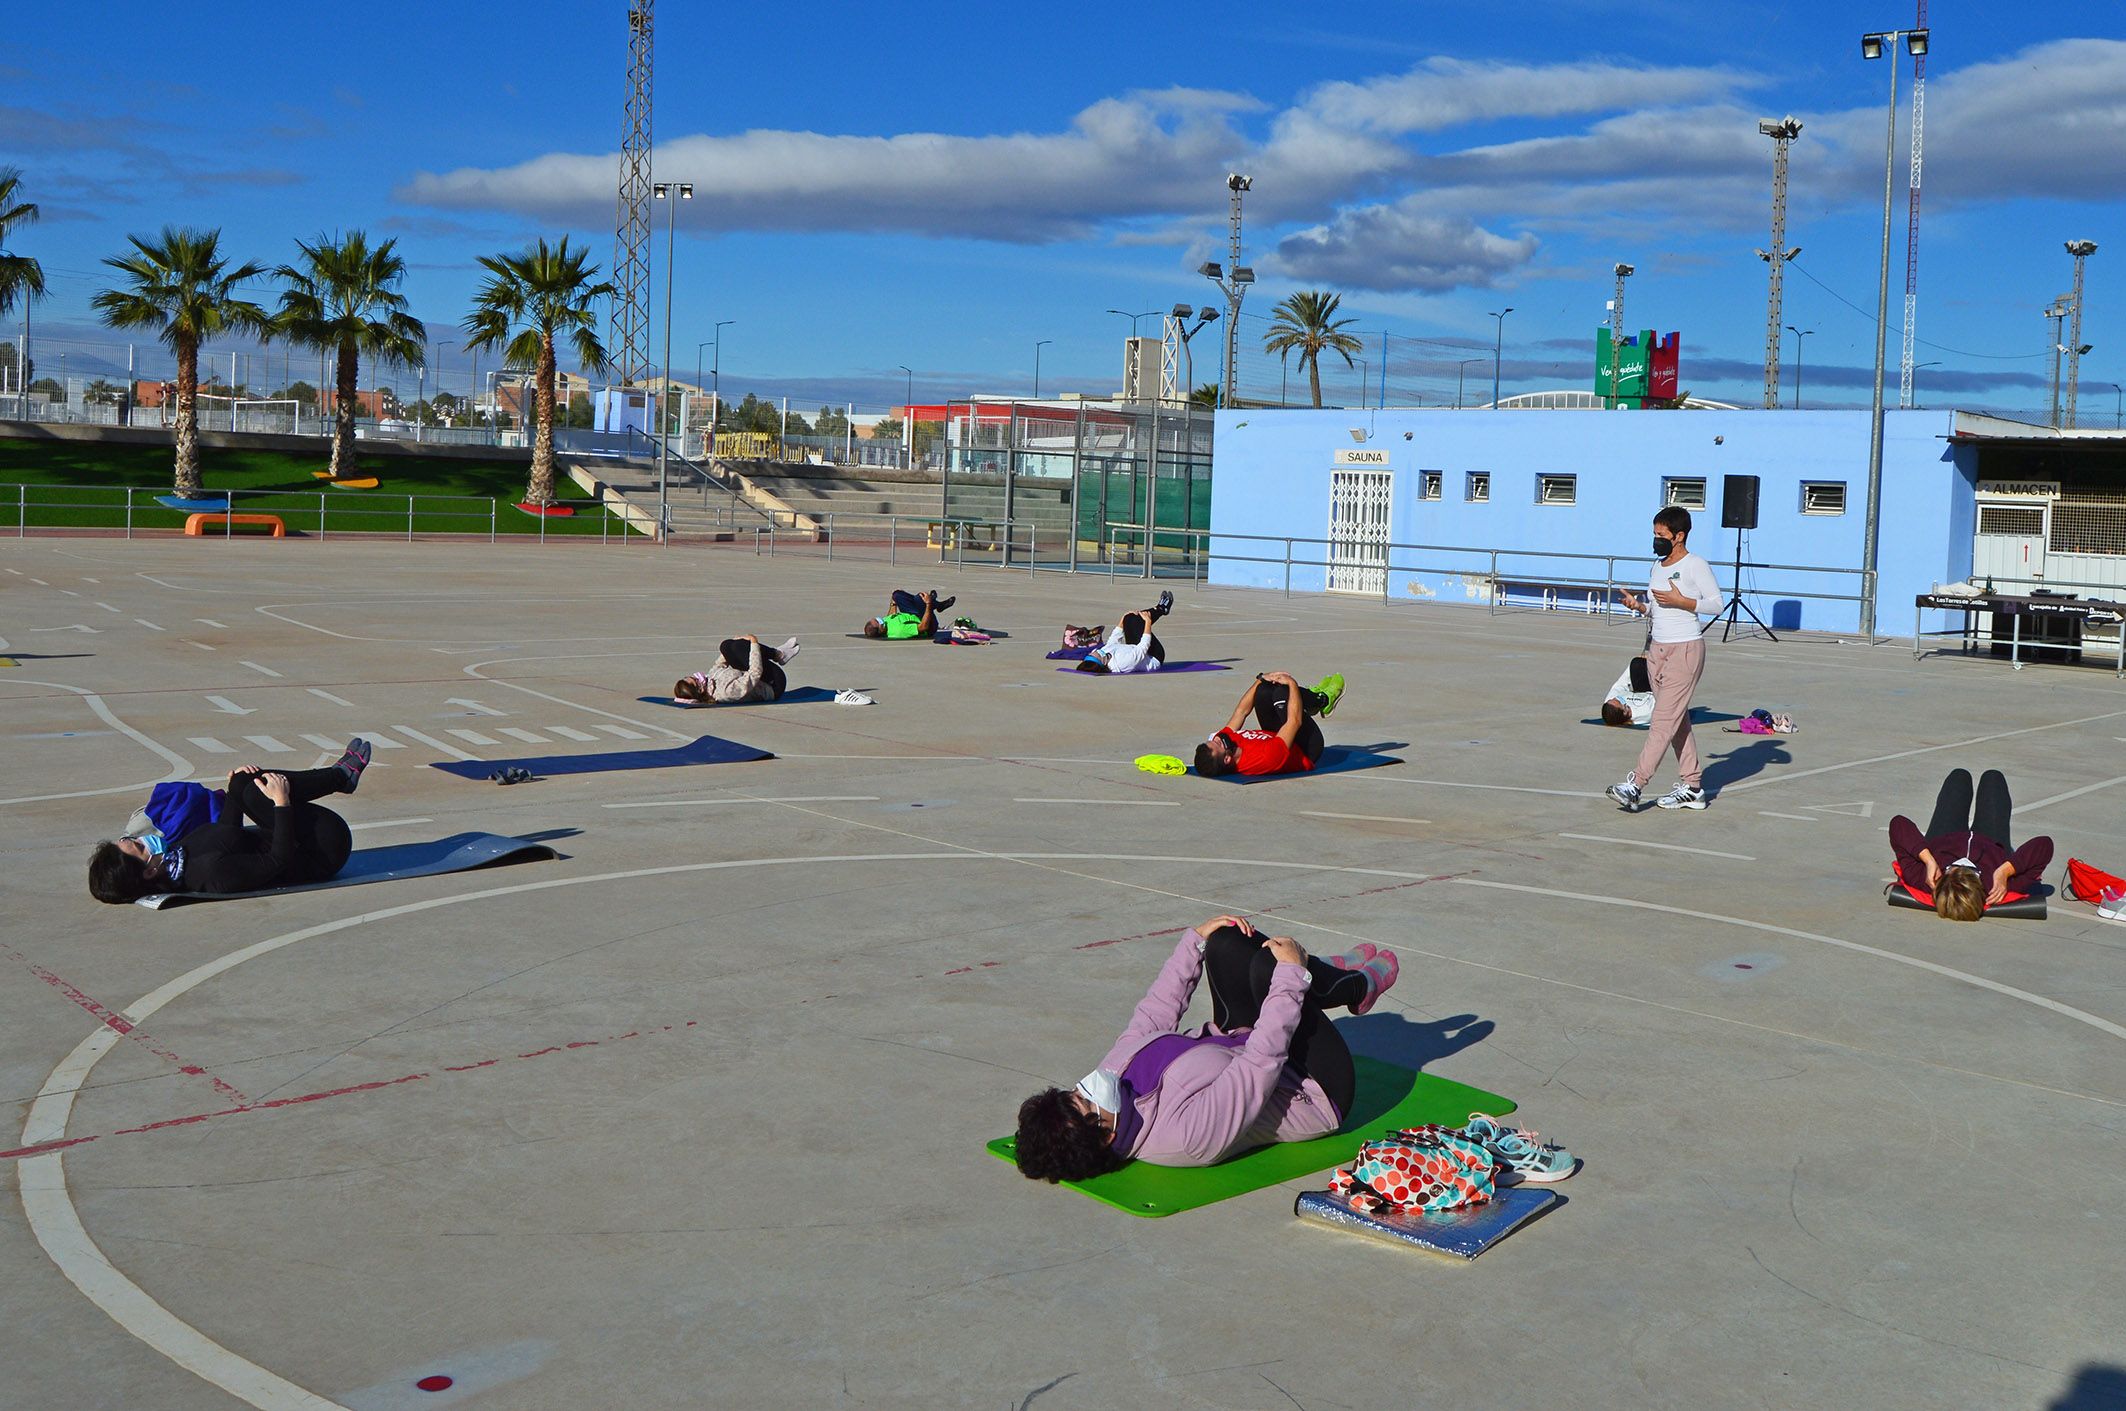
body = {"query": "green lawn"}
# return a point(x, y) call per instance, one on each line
point(84, 484)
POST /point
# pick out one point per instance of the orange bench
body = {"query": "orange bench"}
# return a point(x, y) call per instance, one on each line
point(197, 523)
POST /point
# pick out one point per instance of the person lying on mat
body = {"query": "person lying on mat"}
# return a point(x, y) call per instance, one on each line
point(1130, 645)
point(295, 841)
point(1963, 863)
point(1631, 696)
point(908, 615)
point(1269, 1067)
point(747, 672)
point(1289, 740)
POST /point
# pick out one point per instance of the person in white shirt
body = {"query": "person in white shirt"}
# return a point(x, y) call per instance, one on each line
point(1131, 647)
point(1625, 704)
point(1679, 590)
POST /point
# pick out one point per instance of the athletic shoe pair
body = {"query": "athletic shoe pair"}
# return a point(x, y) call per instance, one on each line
point(1522, 1155)
point(1379, 967)
point(1626, 793)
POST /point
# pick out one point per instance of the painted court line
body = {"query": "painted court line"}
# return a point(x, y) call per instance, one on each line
point(1502, 788)
point(567, 732)
point(387, 823)
point(1797, 817)
point(2070, 794)
point(1362, 817)
point(147, 624)
point(1665, 847)
point(623, 732)
point(379, 739)
point(210, 621)
point(201, 645)
point(270, 745)
point(1787, 776)
point(793, 798)
point(209, 744)
point(432, 742)
point(1118, 803)
point(472, 737)
point(261, 670)
point(106, 607)
point(325, 695)
point(527, 736)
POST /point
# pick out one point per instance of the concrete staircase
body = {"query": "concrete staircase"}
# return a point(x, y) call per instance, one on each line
point(628, 486)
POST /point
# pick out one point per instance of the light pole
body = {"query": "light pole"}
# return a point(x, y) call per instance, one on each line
point(2081, 250)
point(1876, 46)
point(1461, 370)
point(908, 419)
point(440, 421)
point(1037, 366)
point(675, 192)
point(1799, 334)
point(716, 379)
point(1498, 343)
point(1365, 377)
point(1616, 330)
point(2058, 314)
point(1234, 287)
point(1915, 378)
point(1782, 131)
point(1134, 317)
point(1205, 316)
point(2118, 406)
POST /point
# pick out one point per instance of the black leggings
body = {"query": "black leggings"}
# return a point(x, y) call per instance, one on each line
point(322, 841)
point(1953, 812)
point(737, 653)
point(1239, 967)
point(1270, 710)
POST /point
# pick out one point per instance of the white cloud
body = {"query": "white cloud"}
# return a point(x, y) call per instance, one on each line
point(1441, 93)
point(1401, 247)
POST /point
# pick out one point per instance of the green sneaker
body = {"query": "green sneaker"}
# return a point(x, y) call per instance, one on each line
point(1332, 687)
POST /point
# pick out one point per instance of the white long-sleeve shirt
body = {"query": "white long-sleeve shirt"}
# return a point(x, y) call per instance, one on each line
point(1639, 703)
point(1689, 574)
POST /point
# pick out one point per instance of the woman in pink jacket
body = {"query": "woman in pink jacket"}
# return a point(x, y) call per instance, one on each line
point(1269, 1067)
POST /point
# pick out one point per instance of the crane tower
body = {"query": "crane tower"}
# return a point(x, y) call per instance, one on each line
point(631, 239)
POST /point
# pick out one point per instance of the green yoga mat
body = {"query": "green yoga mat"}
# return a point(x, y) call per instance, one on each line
point(1388, 1097)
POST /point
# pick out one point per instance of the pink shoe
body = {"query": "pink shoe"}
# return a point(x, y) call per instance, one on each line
point(1380, 970)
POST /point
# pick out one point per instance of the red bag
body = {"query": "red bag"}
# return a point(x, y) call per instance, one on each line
point(2088, 884)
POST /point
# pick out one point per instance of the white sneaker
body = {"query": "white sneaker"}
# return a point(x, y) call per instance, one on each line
point(1626, 794)
point(852, 698)
point(1682, 796)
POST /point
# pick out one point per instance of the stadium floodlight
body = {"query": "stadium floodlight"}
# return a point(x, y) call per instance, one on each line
point(1871, 46)
point(1625, 271)
point(1243, 274)
point(1180, 313)
point(1211, 269)
point(1207, 314)
point(1234, 181)
point(1916, 43)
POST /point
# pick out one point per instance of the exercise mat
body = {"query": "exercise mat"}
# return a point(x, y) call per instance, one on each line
point(706, 750)
point(1699, 715)
point(2022, 909)
point(1167, 670)
point(1462, 1233)
point(1389, 1098)
point(460, 852)
point(1336, 759)
point(796, 695)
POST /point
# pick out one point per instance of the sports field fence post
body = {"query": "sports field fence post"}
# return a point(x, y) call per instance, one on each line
point(129, 511)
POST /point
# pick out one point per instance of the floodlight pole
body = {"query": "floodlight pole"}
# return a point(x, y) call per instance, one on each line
point(665, 191)
point(2081, 250)
point(1498, 343)
point(1877, 46)
point(1782, 132)
point(1616, 333)
point(1799, 334)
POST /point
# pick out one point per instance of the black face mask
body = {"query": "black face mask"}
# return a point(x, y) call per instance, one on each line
point(1663, 547)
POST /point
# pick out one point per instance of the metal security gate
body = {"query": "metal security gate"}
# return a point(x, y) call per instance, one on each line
point(2010, 543)
point(1358, 531)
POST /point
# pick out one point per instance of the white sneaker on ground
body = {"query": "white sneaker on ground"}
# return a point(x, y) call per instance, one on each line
point(1626, 794)
point(852, 698)
point(1682, 796)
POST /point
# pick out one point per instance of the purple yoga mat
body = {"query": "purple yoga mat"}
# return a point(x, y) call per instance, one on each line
point(1167, 670)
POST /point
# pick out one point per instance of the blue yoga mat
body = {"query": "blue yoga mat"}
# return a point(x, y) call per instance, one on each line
point(460, 852)
point(195, 504)
point(1167, 670)
point(1336, 759)
point(706, 750)
point(796, 695)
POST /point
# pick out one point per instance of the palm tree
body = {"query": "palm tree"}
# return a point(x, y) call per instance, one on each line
point(343, 299)
point(528, 301)
point(1306, 324)
point(184, 289)
point(20, 276)
point(1205, 396)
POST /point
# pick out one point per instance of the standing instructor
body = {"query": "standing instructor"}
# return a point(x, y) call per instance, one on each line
point(1680, 588)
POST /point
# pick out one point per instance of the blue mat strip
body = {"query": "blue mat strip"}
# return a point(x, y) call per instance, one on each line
point(706, 750)
point(796, 695)
point(460, 852)
point(1336, 759)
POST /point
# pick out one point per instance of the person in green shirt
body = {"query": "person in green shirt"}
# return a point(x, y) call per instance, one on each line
point(908, 616)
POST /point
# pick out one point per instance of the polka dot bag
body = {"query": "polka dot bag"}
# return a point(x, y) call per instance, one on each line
point(1418, 1168)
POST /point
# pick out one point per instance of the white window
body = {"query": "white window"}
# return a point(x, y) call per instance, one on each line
point(1684, 491)
point(1557, 489)
point(1431, 484)
point(1823, 497)
point(1479, 487)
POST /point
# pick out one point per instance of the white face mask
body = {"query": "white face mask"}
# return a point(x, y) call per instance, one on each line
point(1102, 1089)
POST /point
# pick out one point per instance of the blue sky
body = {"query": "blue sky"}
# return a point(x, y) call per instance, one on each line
point(943, 186)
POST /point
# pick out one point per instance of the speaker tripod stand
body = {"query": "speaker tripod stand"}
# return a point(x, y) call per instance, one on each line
point(1733, 613)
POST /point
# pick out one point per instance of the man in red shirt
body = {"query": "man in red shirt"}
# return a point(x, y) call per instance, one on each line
point(1288, 741)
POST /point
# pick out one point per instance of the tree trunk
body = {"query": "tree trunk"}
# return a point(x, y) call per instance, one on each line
point(1314, 377)
point(187, 479)
point(345, 402)
point(541, 489)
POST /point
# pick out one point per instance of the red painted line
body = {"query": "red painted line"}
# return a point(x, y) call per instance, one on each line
point(302, 1099)
point(118, 1024)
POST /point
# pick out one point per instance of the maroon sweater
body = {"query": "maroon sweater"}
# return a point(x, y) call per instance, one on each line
point(2031, 859)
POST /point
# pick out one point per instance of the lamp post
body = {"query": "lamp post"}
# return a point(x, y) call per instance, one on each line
point(908, 419)
point(2118, 406)
point(1205, 316)
point(1037, 347)
point(675, 192)
point(716, 376)
point(1915, 378)
point(1876, 46)
point(1498, 343)
point(1461, 370)
point(1799, 334)
point(1365, 379)
point(1233, 286)
point(2081, 250)
point(1134, 317)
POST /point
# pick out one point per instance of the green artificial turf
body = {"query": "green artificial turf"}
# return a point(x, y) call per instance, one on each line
point(83, 484)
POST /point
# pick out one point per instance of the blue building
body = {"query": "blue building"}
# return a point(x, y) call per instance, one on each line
point(1549, 508)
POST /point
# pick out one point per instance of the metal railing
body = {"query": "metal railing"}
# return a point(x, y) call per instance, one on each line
point(320, 514)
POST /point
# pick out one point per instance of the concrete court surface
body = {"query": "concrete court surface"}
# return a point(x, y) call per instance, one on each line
point(694, 1117)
